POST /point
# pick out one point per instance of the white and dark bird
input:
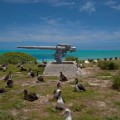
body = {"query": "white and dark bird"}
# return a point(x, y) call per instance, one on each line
point(60, 102)
point(67, 114)
point(79, 87)
point(4, 67)
point(22, 68)
point(56, 92)
point(31, 74)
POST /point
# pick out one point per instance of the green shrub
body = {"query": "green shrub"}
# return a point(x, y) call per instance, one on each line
point(116, 82)
point(16, 57)
point(108, 65)
point(72, 58)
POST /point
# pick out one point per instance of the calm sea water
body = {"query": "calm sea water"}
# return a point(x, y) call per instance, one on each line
point(81, 54)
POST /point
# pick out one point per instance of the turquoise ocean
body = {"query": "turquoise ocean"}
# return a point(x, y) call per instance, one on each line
point(81, 54)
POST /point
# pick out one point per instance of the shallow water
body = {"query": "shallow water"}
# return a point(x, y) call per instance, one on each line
point(81, 54)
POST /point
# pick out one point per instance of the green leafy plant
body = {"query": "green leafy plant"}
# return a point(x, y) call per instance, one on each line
point(108, 65)
point(16, 57)
point(72, 58)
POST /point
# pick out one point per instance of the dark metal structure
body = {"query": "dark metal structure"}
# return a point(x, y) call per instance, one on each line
point(60, 49)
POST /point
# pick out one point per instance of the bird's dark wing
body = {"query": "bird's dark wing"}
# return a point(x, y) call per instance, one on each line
point(81, 87)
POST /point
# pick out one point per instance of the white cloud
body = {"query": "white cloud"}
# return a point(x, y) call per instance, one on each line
point(70, 32)
point(110, 2)
point(34, 1)
point(64, 4)
point(51, 21)
point(113, 4)
point(117, 7)
point(20, 1)
point(55, 3)
point(88, 7)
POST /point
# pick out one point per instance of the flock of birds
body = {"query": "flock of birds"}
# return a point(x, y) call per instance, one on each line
point(60, 103)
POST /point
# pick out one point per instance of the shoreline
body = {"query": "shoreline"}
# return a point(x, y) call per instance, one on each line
point(80, 54)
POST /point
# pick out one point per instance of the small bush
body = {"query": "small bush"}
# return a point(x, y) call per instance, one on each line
point(16, 57)
point(72, 58)
point(108, 65)
point(116, 82)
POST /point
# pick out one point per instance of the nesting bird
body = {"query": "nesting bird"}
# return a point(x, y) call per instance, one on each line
point(9, 83)
point(4, 67)
point(79, 87)
point(30, 96)
point(67, 114)
point(56, 92)
point(39, 77)
point(63, 77)
point(60, 102)
point(22, 69)
point(8, 76)
point(2, 90)
point(31, 73)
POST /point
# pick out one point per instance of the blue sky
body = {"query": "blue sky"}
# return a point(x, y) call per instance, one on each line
point(87, 24)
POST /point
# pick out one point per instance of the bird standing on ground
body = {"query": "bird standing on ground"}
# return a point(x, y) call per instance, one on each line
point(8, 76)
point(31, 74)
point(60, 102)
point(79, 87)
point(56, 92)
point(67, 113)
point(63, 77)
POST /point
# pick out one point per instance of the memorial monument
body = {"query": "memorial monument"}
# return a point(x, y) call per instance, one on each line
point(69, 68)
point(60, 49)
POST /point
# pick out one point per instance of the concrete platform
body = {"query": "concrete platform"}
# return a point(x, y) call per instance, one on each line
point(68, 68)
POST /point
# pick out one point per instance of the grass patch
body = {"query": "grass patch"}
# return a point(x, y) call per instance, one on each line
point(5, 116)
point(77, 95)
point(78, 107)
point(112, 118)
point(87, 117)
point(117, 104)
point(51, 78)
point(116, 82)
point(104, 73)
point(18, 105)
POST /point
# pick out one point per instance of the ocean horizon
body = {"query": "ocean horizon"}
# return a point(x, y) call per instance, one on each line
point(81, 54)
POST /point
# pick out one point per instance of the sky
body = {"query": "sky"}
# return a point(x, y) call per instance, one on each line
point(86, 24)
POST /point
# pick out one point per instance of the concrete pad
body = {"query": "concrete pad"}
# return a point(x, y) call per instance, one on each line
point(68, 68)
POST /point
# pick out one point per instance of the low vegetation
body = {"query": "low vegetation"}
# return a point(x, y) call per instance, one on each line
point(16, 57)
point(108, 65)
point(116, 82)
point(98, 102)
point(72, 58)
